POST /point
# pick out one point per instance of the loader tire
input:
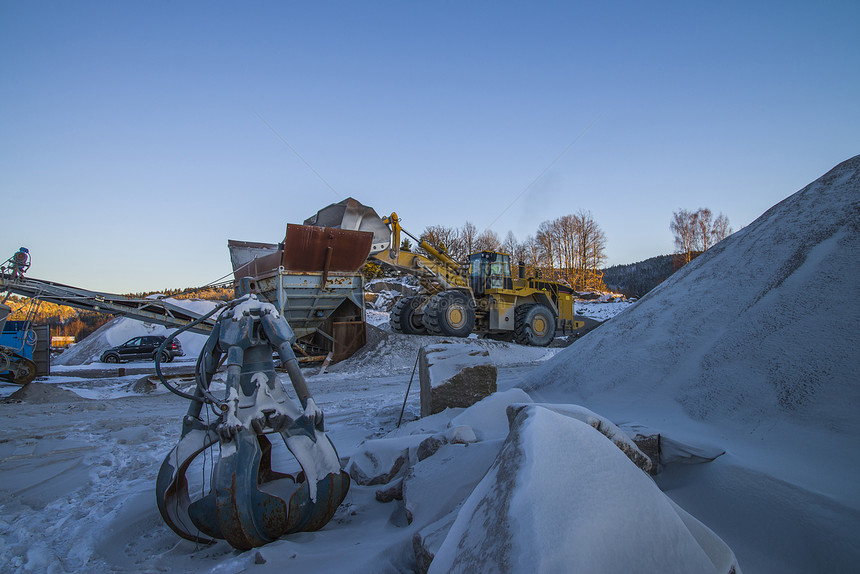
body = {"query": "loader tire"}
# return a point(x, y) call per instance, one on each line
point(534, 325)
point(405, 317)
point(450, 313)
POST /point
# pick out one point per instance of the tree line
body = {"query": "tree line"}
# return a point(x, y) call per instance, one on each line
point(569, 249)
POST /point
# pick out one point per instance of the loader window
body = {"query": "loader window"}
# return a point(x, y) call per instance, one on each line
point(489, 270)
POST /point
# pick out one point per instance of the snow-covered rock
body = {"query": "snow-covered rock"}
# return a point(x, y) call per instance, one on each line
point(437, 485)
point(380, 461)
point(601, 424)
point(454, 375)
point(488, 417)
point(561, 498)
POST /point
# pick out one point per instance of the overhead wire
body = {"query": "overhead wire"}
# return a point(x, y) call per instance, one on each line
point(546, 169)
point(298, 155)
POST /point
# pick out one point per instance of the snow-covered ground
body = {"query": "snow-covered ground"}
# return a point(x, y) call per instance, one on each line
point(78, 477)
point(79, 460)
point(747, 355)
point(601, 311)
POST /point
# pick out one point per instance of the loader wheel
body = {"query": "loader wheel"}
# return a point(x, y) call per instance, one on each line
point(450, 313)
point(534, 325)
point(405, 317)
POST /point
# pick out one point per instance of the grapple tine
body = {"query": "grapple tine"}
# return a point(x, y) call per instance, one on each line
point(171, 486)
point(331, 491)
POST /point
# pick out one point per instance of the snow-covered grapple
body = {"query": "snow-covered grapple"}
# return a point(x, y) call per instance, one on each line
point(248, 503)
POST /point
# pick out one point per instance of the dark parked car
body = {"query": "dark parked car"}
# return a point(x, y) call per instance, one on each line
point(142, 348)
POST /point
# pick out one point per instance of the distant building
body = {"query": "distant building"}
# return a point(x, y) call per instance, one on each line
point(61, 342)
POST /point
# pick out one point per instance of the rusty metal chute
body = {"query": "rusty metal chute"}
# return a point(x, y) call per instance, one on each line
point(313, 278)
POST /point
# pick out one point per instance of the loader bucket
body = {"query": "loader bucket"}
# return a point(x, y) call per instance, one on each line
point(351, 214)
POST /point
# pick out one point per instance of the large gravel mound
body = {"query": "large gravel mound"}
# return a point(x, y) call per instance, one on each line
point(762, 327)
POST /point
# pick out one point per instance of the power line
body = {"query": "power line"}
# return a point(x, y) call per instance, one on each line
point(546, 169)
point(298, 155)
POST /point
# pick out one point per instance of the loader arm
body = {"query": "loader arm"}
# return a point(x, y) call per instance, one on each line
point(436, 272)
point(433, 275)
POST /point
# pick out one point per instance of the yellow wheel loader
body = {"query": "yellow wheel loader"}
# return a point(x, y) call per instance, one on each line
point(480, 297)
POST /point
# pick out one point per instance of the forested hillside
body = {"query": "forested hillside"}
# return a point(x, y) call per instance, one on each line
point(636, 279)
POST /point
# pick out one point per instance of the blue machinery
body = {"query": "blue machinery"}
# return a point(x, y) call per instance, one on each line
point(16, 364)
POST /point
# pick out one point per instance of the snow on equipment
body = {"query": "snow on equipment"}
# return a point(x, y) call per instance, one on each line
point(248, 503)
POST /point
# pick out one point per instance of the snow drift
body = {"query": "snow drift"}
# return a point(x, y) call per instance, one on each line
point(753, 346)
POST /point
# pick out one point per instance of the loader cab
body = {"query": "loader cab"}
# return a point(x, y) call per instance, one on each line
point(489, 270)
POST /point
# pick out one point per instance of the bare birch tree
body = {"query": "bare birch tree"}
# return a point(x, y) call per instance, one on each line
point(721, 228)
point(696, 232)
point(468, 235)
point(488, 240)
point(446, 239)
point(572, 249)
point(683, 226)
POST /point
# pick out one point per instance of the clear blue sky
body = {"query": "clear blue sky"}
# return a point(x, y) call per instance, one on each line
point(131, 144)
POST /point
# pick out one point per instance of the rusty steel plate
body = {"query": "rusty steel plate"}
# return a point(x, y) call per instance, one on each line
point(251, 259)
point(309, 248)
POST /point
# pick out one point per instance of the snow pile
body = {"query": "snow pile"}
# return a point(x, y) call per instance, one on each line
point(121, 329)
point(753, 346)
point(38, 393)
point(561, 498)
point(390, 353)
point(762, 325)
point(601, 310)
